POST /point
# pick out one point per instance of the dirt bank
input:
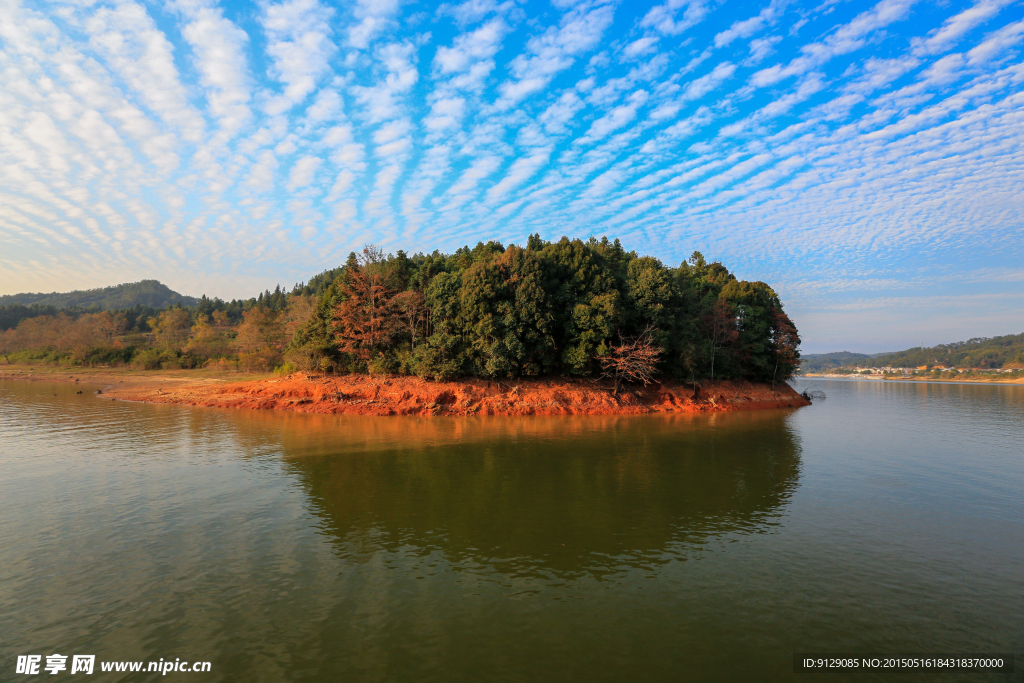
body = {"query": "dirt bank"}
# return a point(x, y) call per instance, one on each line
point(382, 395)
point(362, 395)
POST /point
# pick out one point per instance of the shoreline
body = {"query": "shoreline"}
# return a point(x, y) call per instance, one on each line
point(879, 378)
point(382, 395)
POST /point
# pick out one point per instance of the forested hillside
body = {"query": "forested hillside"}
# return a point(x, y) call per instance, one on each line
point(145, 293)
point(571, 308)
point(980, 352)
point(821, 362)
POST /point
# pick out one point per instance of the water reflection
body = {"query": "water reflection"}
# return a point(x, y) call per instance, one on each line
point(525, 496)
point(536, 495)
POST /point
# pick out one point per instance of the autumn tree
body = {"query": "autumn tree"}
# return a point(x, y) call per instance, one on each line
point(365, 321)
point(171, 327)
point(210, 336)
point(261, 328)
point(111, 325)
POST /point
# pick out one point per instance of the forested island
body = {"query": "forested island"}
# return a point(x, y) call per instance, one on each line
point(570, 308)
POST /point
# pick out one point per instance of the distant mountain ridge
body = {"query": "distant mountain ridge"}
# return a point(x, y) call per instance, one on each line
point(145, 292)
point(979, 352)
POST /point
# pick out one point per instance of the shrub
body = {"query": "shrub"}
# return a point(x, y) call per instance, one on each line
point(149, 359)
point(222, 364)
point(285, 369)
point(155, 359)
point(108, 355)
point(384, 364)
point(260, 360)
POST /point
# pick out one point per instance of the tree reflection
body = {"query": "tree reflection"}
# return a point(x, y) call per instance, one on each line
point(571, 496)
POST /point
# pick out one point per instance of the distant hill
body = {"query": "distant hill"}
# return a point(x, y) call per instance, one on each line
point(819, 362)
point(980, 352)
point(147, 293)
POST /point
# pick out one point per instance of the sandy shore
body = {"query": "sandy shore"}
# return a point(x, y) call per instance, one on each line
point(391, 395)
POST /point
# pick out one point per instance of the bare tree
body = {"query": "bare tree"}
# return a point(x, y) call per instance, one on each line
point(633, 360)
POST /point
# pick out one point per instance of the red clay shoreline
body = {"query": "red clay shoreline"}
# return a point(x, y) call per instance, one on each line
point(401, 395)
point(365, 395)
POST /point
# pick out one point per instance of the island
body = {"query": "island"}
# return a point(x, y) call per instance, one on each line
point(564, 327)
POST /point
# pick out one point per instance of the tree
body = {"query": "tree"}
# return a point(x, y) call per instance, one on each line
point(719, 326)
point(365, 321)
point(786, 343)
point(209, 338)
point(753, 350)
point(172, 327)
point(442, 357)
point(588, 299)
point(484, 302)
point(262, 328)
point(411, 307)
point(635, 359)
point(528, 315)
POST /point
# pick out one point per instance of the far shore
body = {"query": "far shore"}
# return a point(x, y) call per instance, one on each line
point(954, 380)
point(402, 395)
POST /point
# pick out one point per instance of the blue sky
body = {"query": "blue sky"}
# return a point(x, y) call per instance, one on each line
point(866, 160)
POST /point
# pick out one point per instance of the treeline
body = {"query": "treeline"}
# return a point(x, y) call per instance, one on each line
point(572, 307)
point(232, 336)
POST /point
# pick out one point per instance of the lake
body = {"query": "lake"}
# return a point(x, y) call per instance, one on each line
point(888, 517)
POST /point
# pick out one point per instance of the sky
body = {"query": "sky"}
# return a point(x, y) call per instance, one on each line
point(864, 159)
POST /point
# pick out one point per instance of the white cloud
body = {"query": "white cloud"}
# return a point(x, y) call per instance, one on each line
point(748, 27)
point(843, 40)
point(521, 170)
point(997, 43)
point(374, 16)
point(761, 49)
point(383, 100)
point(302, 172)
point(219, 47)
point(128, 39)
point(300, 47)
point(471, 48)
point(556, 49)
point(445, 113)
point(664, 18)
point(700, 87)
point(954, 28)
point(616, 118)
point(640, 46)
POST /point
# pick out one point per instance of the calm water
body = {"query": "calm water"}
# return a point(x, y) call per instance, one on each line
point(288, 547)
